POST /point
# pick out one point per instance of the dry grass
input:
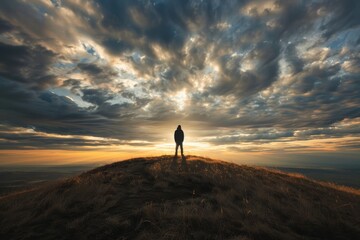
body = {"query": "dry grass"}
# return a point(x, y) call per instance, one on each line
point(326, 184)
point(158, 198)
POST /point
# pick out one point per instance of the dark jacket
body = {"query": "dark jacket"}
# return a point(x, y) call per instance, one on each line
point(179, 136)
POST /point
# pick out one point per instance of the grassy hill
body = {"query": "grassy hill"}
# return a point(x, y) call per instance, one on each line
point(196, 198)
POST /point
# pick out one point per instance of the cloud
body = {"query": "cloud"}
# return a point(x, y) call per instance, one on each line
point(247, 71)
point(5, 26)
point(237, 80)
point(27, 64)
point(28, 138)
point(97, 74)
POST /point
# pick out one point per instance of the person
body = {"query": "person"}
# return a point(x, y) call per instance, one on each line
point(179, 138)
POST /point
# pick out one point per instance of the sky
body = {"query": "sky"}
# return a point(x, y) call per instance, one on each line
point(257, 81)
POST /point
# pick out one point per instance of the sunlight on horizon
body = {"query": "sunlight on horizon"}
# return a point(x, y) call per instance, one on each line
point(107, 150)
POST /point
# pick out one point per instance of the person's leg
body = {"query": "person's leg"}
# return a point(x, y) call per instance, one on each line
point(182, 151)
point(176, 149)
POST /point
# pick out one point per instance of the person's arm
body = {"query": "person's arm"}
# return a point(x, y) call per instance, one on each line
point(175, 136)
point(182, 136)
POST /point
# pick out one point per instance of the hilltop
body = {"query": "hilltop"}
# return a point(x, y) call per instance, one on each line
point(196, 198)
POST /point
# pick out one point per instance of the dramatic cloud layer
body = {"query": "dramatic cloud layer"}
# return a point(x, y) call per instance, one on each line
point(255, 75)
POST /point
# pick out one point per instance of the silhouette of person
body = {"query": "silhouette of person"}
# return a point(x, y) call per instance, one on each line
point(179, 138)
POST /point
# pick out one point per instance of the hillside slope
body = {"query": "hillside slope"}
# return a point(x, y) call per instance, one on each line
point(158, 198)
